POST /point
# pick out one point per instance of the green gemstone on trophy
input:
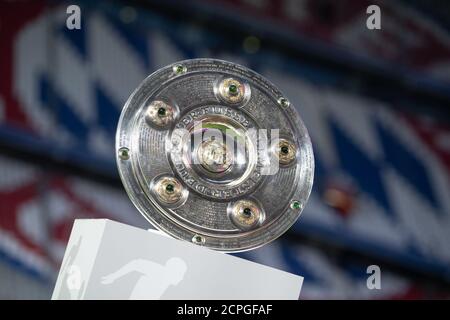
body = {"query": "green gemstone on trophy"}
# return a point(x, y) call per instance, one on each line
point(180, 69)
point(233, 88)
point(296, 205)
point(161, 112)
point(170, 188)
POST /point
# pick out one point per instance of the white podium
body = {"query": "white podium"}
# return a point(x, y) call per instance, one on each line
point(110, 260)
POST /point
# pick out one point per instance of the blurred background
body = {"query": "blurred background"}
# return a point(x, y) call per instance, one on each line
point(376, 104)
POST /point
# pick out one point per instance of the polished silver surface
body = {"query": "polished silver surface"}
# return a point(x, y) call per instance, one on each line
point(212, 153)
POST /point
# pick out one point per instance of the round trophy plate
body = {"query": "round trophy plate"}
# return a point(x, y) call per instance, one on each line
point(212, 153)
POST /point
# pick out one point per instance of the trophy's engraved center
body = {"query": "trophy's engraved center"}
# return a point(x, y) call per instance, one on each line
point(214, 156)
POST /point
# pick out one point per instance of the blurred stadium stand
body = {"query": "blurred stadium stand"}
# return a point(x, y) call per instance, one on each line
point(376, 104)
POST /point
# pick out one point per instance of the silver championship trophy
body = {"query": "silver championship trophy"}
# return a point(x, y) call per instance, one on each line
point(211, 153)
